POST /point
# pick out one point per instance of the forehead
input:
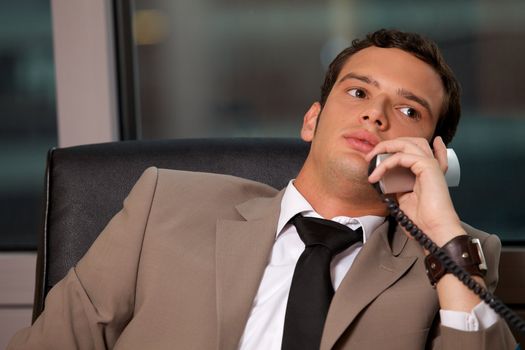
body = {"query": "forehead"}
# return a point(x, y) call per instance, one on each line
point(397, 69)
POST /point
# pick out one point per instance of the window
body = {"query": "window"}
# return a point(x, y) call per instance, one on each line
point(28, 118)
point(251, 68)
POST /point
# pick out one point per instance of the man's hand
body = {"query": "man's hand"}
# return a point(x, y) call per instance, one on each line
point(429, 205)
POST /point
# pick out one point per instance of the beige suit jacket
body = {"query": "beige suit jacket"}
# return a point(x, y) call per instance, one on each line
point(179, 266)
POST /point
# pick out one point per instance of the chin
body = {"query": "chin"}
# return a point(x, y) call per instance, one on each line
point(353, 169)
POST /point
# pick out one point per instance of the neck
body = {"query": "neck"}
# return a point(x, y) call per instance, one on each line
point(340, 198)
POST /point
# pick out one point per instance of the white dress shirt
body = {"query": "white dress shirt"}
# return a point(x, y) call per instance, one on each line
point(264, 328)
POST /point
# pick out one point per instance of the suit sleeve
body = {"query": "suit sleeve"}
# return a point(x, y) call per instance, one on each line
point(90, 307)
point(498, 336)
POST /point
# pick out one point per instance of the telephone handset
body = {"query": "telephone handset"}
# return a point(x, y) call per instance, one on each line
point(399, 180)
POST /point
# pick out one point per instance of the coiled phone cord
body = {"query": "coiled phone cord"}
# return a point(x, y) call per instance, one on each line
point(497, 305)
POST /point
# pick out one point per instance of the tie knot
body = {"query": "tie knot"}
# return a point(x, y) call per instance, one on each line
point(334, 236)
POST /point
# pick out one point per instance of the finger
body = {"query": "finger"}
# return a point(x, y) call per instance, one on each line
point(410, 145)
point(413, 162)
point(440, 152)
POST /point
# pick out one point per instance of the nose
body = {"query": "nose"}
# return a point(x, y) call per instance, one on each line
point(375, 113)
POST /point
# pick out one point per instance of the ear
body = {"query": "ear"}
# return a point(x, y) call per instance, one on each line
point(310, 122)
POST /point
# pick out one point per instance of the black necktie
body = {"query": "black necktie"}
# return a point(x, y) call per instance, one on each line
point(312, 291)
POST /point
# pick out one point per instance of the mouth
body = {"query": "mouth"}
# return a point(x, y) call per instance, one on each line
point(362, 141)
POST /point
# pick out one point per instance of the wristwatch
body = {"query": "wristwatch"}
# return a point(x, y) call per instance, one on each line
point(465, 251)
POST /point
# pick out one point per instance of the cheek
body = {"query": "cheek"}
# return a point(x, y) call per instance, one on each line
point(428, 131)
point(425, 133)
point(412, 129)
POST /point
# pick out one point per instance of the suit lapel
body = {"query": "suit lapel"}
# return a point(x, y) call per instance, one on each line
point(242, 253)
point(375, 268)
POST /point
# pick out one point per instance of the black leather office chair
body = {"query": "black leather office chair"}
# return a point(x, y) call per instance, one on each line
point(85, 187)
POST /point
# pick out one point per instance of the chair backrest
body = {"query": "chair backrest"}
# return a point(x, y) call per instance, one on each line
point(86, 185)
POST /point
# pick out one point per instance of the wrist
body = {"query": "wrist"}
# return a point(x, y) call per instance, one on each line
point(464, 251)
point(455, 296)
point(445, 233)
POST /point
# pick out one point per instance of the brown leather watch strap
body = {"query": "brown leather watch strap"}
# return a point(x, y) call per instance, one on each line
point(464, 251)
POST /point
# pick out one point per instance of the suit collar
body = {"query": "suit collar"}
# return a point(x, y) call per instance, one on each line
point(242, 253)
point(395, 237)
point(378, 266)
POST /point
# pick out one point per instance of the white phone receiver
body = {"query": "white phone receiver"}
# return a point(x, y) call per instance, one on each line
point(399, 180)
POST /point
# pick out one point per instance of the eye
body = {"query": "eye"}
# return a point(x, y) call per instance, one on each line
point(410, 112)
point(357, 93)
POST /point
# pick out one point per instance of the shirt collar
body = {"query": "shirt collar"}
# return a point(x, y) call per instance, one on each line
point(294, 203)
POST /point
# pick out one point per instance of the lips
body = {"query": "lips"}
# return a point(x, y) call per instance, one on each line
point(362, 140)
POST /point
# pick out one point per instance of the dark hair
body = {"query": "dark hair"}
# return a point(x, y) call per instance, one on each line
point(422, 48)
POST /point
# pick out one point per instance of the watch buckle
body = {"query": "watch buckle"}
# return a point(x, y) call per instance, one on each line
point(483, 263)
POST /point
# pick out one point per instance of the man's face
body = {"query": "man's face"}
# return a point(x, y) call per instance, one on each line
point(380, 94)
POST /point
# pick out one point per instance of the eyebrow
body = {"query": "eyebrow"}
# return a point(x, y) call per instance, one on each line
point(401, 92)
point(364, 78)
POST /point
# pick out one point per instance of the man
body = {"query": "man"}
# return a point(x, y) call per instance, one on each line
point(201, 261)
